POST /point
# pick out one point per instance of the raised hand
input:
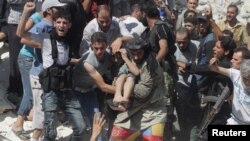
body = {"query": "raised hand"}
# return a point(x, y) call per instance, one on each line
point(213, 64)
point(98, 123)
point(208, 11)
point(116, 45)
point(29, 7)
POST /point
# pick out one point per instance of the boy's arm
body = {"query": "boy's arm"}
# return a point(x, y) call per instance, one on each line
point(131, 66)
point(96, 76)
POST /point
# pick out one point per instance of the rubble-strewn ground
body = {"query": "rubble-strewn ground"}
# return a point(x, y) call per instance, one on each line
point(6, 134)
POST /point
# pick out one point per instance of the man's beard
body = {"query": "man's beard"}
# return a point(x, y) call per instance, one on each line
point(144, 22)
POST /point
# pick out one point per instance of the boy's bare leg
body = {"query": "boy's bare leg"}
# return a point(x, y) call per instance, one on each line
point(127, 91)
point(128, 88)
point(119, 87)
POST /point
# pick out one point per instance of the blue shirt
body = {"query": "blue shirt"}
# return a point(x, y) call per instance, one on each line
point(26, 50)
point(43, 26)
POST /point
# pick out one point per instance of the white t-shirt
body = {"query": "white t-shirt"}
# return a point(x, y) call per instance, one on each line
point(62, 50)
point(117, 28)
point(134, 26)
point(241, 101)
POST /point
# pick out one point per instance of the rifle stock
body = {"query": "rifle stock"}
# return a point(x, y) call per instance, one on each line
point(216, 108)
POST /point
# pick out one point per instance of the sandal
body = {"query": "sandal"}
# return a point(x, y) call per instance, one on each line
point(23, 135)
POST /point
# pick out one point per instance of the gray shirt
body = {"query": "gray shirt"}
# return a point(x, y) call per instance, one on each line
point(187, 56)
point(82, 81)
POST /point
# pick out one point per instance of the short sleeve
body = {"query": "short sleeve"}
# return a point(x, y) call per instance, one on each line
point(233, 74)
point(162, 32)
point(36, 17)
point(123, 70)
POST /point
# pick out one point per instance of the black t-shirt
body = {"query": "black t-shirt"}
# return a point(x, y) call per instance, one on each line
point(78, 24)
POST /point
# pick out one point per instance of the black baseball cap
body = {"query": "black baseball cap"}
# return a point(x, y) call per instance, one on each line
point(137, 43)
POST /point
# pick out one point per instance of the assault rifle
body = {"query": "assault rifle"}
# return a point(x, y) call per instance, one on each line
point(216, 108)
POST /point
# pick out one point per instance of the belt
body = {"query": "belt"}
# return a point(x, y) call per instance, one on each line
point(83, 90)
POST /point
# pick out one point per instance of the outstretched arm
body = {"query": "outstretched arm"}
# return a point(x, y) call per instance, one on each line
point(94, 74)
point(214, 67)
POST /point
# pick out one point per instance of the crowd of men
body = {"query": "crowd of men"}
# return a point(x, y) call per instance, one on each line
point(134, 61)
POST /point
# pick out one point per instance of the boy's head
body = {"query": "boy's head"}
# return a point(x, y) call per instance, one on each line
point(99, 44)
point(62, 22)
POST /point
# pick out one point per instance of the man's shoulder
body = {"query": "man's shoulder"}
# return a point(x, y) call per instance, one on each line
point(92, 24)
point(115, 22)
point(223, 21)
point(194, 43)
point(130, 19)
point(160, 25)
point(42, 27)
point(240, 25)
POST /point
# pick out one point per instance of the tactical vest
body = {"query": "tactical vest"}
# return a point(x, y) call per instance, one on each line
point(56, 77)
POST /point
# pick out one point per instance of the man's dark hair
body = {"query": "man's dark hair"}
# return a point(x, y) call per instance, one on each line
point(197, 1)
point(136, 7)
point(189, 11)
point(233, 6)
point(152, 12)
point(183, 30)
point(228, 33)
point(99, 37)
point(228, 44)
point(192, 20)
point(103, 7)
point(62, 14)
point(244, 51)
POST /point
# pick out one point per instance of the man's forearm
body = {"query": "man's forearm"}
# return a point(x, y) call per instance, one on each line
point(21, 26)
